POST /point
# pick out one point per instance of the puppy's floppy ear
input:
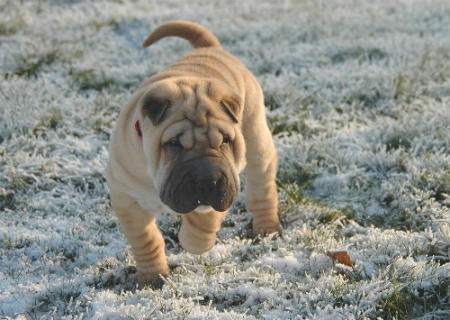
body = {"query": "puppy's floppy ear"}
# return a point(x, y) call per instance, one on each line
point(154, 107)
point(232, 106)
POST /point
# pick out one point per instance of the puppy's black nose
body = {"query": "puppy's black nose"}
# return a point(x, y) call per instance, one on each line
point(209, 186)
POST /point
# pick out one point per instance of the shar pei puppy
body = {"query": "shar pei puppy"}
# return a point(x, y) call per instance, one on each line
point(179, 146)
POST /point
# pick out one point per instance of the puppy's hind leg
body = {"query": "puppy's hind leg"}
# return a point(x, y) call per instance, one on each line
point(139, 227)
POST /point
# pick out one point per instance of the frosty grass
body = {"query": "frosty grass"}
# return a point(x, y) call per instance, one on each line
point(358, 100)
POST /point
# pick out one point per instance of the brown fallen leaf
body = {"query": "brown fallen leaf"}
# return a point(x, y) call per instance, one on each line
point(341, 257)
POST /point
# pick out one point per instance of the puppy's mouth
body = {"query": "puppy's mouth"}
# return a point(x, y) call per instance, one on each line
point(202, 209)
point(200, 185)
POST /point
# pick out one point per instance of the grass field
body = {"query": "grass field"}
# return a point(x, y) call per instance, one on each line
point(358, 100)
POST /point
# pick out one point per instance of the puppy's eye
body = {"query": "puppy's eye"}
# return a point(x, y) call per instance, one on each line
point(226, 140)
point(173, 143)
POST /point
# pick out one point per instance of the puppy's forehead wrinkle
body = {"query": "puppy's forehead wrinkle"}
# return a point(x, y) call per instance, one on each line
point(201, 107)
point(208, 86)
point(177, 129)
point(189, 96)
point(195, 89)
point(198, 118)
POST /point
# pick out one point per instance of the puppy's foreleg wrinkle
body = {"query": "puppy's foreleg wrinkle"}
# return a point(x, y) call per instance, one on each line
point(261, 195)
point(198, 231)
point(146, 240)
point(261, 191)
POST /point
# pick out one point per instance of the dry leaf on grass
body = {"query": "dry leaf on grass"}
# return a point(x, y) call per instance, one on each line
point(341, 257)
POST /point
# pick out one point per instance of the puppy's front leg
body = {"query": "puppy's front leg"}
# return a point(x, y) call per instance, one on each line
point(139, 227)
point(198, 231)
point(261, 190)
point(261, 193)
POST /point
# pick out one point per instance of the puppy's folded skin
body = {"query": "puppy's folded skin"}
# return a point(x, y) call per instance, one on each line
point(180, 144)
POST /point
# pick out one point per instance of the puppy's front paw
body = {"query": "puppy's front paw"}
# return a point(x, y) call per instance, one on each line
point(150, 280)
point(266, 224)
point(264, 230)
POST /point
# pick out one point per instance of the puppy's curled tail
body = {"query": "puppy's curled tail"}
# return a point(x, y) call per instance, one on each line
point(197, 35)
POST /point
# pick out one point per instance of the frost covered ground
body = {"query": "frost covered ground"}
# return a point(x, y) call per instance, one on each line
point(358, 99)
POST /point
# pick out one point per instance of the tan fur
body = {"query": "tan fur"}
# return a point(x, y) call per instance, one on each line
point(136, 170)
point(195, 34)
point(198, 231)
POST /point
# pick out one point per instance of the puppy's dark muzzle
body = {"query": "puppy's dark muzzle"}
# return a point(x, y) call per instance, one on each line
point(204, 181)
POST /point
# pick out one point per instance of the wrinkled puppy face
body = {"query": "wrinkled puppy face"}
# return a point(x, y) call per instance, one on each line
point(193, 143)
